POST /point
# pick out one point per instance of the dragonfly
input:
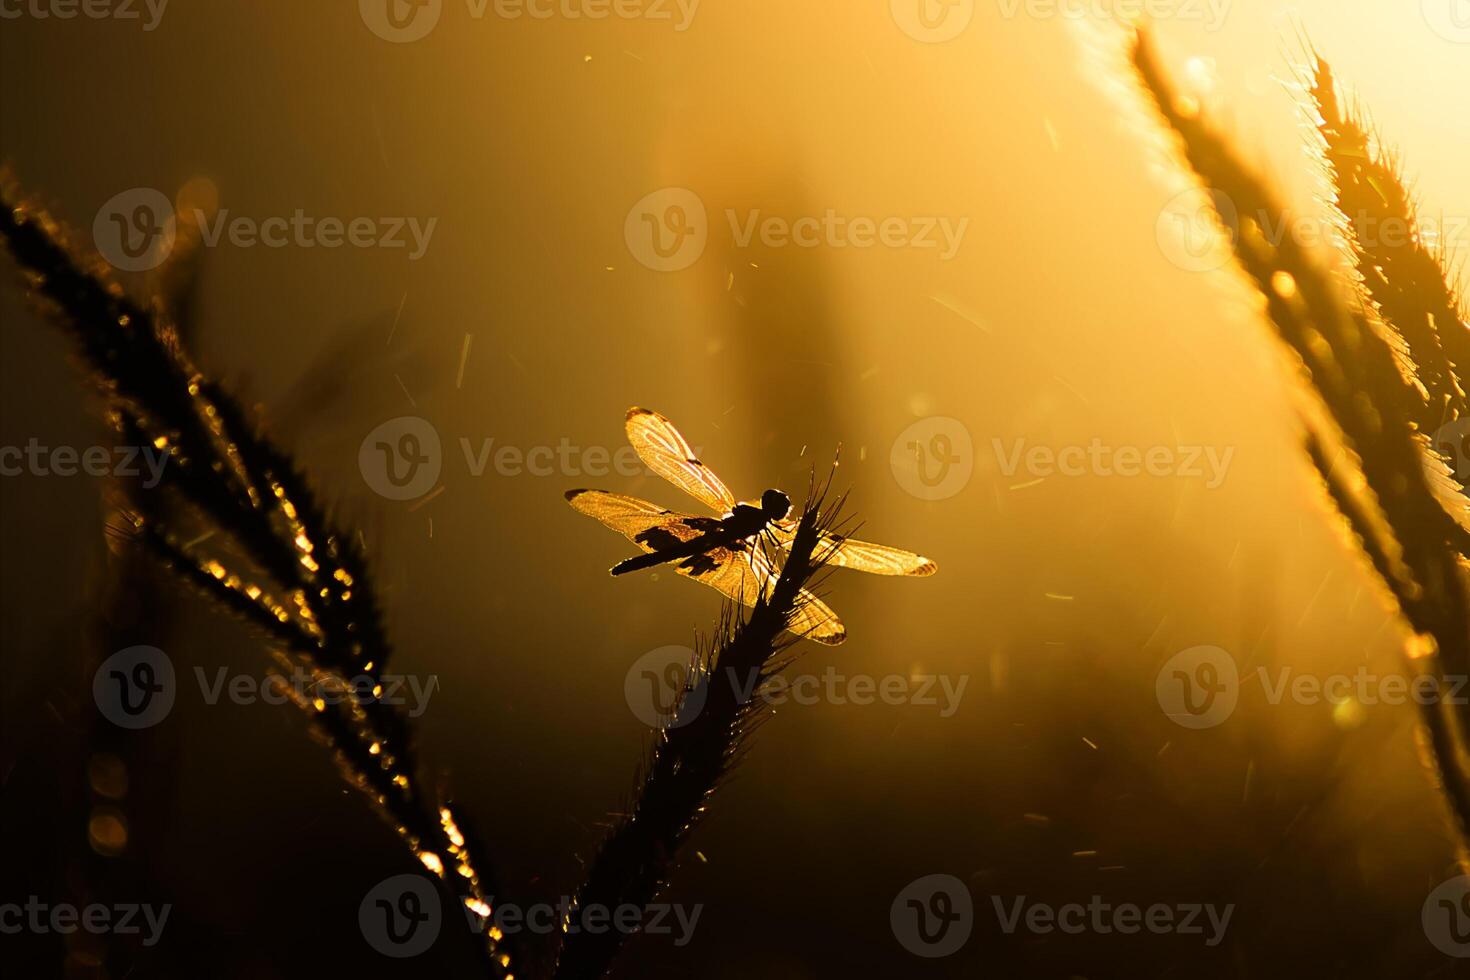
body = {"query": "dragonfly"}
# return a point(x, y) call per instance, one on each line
point(725, 551)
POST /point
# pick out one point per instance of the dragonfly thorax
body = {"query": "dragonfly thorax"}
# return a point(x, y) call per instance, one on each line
point(775, 505)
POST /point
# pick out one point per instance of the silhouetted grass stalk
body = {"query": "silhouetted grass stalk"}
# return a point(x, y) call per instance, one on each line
point(711, 726)
point(318, 605)
point(1387, 496)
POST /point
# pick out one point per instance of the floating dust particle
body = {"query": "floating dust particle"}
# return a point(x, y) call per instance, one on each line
point(920, 404)
point(1051, 134)
point(1084, 854)
point(862, 454)
point(611, 268)
point(405, 391)
point(1250, 772)
point(396, 317)
point(1024, 486)
point(1090, 743)
point(755, 265)
point(1037, 819)
point(953, 306)
point(199, 540)
point(464, 356)
point(1283, 284)
point(1162, 749)
point(702, 858)
point(730, 282)
point(586, 59)
point(516, 361)
point(424, 500)
point(1059, 597)
point(871, 372)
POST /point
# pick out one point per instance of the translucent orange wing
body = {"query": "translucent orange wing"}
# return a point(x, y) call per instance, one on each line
point(647, 525)
point(668, 454)
point(746, 574)
point(862, 556)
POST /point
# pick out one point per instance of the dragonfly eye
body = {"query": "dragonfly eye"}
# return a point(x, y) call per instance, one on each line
point(775, 504)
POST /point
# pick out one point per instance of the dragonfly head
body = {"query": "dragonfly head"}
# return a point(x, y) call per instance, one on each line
point(775, 505)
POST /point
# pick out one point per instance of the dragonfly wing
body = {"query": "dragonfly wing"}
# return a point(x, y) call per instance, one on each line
point(879, 559)
point(745, 574)
point(647, 525)
point(668, 454)
point(741, 572)
point(816, 621)
point(862, 556)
